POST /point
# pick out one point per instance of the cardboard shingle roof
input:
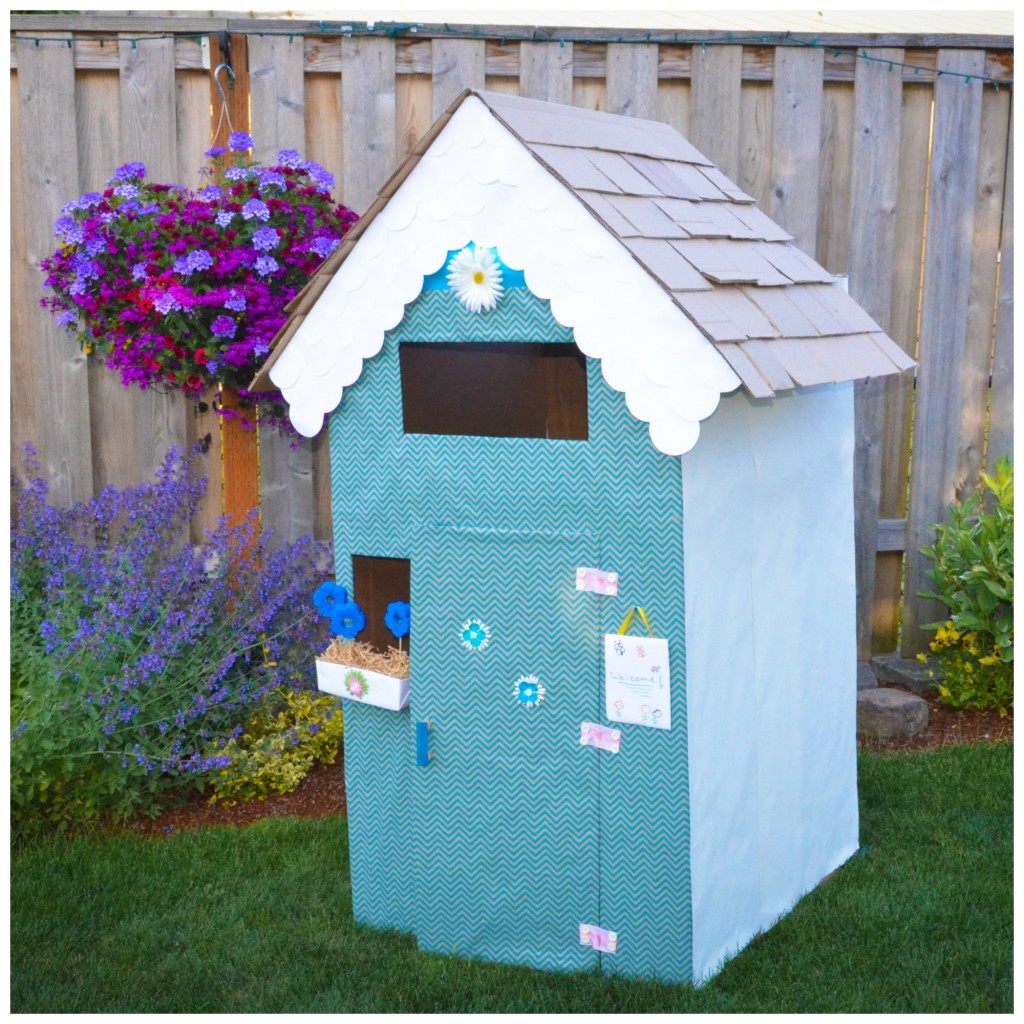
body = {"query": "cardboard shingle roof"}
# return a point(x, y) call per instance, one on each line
point(776, 317)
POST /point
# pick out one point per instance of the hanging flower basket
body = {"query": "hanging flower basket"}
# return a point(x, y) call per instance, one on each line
point(358, 672)
point(183, 290)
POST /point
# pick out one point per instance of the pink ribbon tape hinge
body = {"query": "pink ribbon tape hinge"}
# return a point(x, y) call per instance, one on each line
point(600, 736)
point(597, 938)
point(597, 581)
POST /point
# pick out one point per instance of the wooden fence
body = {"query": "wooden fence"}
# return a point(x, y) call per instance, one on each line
point(889, 159)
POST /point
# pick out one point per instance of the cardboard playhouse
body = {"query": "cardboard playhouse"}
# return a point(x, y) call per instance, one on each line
point(570, 370)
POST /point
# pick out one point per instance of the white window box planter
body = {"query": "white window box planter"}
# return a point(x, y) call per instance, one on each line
point(362, 685)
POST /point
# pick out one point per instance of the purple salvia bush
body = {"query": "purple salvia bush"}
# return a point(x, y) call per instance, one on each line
point(132, 652)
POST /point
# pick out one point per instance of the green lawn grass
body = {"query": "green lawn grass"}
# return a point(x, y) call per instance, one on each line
point(259, 920)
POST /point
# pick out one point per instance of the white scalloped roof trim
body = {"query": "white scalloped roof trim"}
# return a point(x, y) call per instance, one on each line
point(478, 183)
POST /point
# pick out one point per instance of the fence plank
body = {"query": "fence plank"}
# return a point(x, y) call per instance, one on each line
point(835, 172)
point(755, 142)
point(192, 104)
point(878, 100)
point(457, 64)
point(113, 407)
point(631, 79)
point(1000, 436)
point(24, 281)
point(589, 94)
point(46, 94)
point(982, 293)
point(545, 71)
point(951, 188)
point(796, 143)
point(715, 105)
point(137, 438)
point(674, 105)
point(277, 102)
point(367, 118)
point(899, 390)
point(412, 112)
point(323, 144)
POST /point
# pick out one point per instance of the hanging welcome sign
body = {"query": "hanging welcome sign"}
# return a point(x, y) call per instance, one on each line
point(638, 679)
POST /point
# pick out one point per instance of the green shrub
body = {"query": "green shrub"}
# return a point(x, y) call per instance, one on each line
point(972, 569)
point(281, 742)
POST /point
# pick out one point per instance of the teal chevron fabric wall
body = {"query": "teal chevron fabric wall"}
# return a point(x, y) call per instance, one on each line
point(515, 834)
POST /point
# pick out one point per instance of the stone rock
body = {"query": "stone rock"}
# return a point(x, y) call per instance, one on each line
point(892, 670)
point(866, 679)
point(884, 714)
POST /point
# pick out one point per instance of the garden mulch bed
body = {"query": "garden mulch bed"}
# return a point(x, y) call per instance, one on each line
point(947, 726)
point(322, 795)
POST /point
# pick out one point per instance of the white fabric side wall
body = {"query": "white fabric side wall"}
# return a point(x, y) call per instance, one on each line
point(771, 687)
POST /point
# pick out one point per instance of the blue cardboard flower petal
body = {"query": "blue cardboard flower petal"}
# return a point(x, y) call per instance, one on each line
point(396, 618)
point(348, 620)
point(328, 596)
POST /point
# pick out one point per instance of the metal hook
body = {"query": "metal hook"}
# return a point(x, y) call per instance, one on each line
point(220, 88)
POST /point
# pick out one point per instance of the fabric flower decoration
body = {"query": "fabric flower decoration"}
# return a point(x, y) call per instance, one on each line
point(475, 277)
point(396, 618)
point(475, 636)
point(529, 691)
point(348, 620)
point(328, 596)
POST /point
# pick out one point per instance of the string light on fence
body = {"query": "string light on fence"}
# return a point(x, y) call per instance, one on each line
point(395, 30)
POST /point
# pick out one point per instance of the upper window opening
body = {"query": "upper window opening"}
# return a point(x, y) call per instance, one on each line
point(494, 389)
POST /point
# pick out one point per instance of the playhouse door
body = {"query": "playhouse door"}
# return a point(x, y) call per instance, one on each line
point(506, 860)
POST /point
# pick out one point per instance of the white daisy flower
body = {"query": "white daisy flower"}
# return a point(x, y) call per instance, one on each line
point(475, 277)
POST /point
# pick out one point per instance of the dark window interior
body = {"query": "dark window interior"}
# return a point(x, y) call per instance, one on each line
point(376, 582)
point(494, 389)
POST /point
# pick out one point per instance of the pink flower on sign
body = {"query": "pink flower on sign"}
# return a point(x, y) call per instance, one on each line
point(355, 683)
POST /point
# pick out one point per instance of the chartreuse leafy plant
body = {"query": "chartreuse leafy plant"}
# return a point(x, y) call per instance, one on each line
point(133, 652)
point(288, 734)
point(972, 569)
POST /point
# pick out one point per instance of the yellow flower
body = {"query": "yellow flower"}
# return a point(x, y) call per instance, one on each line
point(923, 659)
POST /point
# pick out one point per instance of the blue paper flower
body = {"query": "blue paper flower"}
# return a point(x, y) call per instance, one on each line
point(474, 636)
point(348, 620)
point(396, 618)
point(328, 596)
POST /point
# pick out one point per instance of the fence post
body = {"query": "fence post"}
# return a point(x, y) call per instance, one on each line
point(240, 473)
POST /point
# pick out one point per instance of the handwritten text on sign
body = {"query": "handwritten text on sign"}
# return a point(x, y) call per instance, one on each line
point(637, 681)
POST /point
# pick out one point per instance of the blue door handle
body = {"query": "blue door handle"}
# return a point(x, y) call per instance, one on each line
point(422, 744)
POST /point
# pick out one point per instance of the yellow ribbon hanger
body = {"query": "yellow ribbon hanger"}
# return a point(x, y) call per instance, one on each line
point(629, 619)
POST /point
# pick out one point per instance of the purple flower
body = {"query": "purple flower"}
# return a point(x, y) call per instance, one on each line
point(89, 200)
point(238, 173)
point(127, 172)
point(139, 272)
point(67, 318)
point(224, 327)
point(271, 180)
point(256, 208)
point(166, 302)
point(200, 259)
point(127, 191)
point(235, 301)
point(289, 158)
point(324, 246)
point(320, 175)
point(225, 217)
point(240, 141)
point(265, 265)
point(215, 151)
point(70, 229)
point(264, 239)
point(210, 192)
